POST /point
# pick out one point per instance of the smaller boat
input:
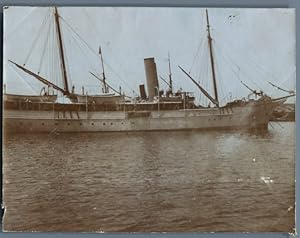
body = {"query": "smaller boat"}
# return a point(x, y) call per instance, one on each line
point(44, 96)
point(30, 98)
point(101, 99)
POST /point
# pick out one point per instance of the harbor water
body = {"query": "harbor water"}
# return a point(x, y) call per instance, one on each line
point(154, 181)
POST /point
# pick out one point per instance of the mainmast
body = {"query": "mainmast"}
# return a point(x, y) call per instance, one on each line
point(105, 88)
point(170, 74)
point(211, 58)
point(61, 52)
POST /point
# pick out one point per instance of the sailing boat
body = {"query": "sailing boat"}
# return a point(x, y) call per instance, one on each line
point(155, 111)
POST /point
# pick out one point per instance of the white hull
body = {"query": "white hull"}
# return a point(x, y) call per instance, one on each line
point(208, 118)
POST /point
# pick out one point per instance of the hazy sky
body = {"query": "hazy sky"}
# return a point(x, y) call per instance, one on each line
point(252, 45)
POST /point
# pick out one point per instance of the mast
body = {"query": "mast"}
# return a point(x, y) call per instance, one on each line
point(170, 74)
point(211, 58)
point(103, 72)
point(61, 52)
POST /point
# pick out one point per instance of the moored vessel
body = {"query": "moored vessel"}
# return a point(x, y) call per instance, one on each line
point(117, 112)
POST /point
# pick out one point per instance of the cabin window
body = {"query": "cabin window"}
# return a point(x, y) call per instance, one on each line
point(111, 123)
point(80, 123)
point(43, 123)
point(103, 123)
point(92, 123)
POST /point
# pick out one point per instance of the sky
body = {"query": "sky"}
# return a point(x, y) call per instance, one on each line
point(252, 45)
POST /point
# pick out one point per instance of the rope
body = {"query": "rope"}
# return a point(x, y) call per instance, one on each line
point(197, 53)
point(249, 58)
point(44, 49)
point(89, 47)
point(230, 67)
point(22, 78)
point(34, 43)
point(20, 23)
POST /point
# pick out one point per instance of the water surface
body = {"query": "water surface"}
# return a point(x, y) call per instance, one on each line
point(154, 181)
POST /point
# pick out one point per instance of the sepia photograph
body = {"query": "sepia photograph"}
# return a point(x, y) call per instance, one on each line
point(149, 119)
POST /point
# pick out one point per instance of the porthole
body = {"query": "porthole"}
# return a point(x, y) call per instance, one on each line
point(21, 123)
point(103, 123)
point(55, 123)
point(43, 123)
point(80, 123)
point(68, 124)
point(111, 123)
point(92, 123)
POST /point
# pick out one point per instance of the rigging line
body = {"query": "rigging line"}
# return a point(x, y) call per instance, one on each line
point(98, 33)
point(232, 70)
point(82, 50)
point(116, 91)
point(202, 71)
point(34, 43)
point(201, 56)
point(22, 78)
point(207, 73)
point(251, 60)
point(263, 71)
point(230, 66)
point(79, 46)
point(223, 87)
point(288, 91)
point(21, 22)
point(197, 53)
point(220, 82)
point(266, 75)
point(89, 47)
point(73, 30)
point(50, 50)
point(44, 49)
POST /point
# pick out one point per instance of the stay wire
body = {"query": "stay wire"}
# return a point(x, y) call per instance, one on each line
point(34, 43)
point(89, 47)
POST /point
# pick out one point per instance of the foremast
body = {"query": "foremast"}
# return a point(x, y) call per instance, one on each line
point(105, 86)
point(64, 90)
point(61, 52)
point(212, 59)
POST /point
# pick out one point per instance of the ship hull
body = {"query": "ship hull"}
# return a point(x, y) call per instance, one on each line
point(247, 117)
